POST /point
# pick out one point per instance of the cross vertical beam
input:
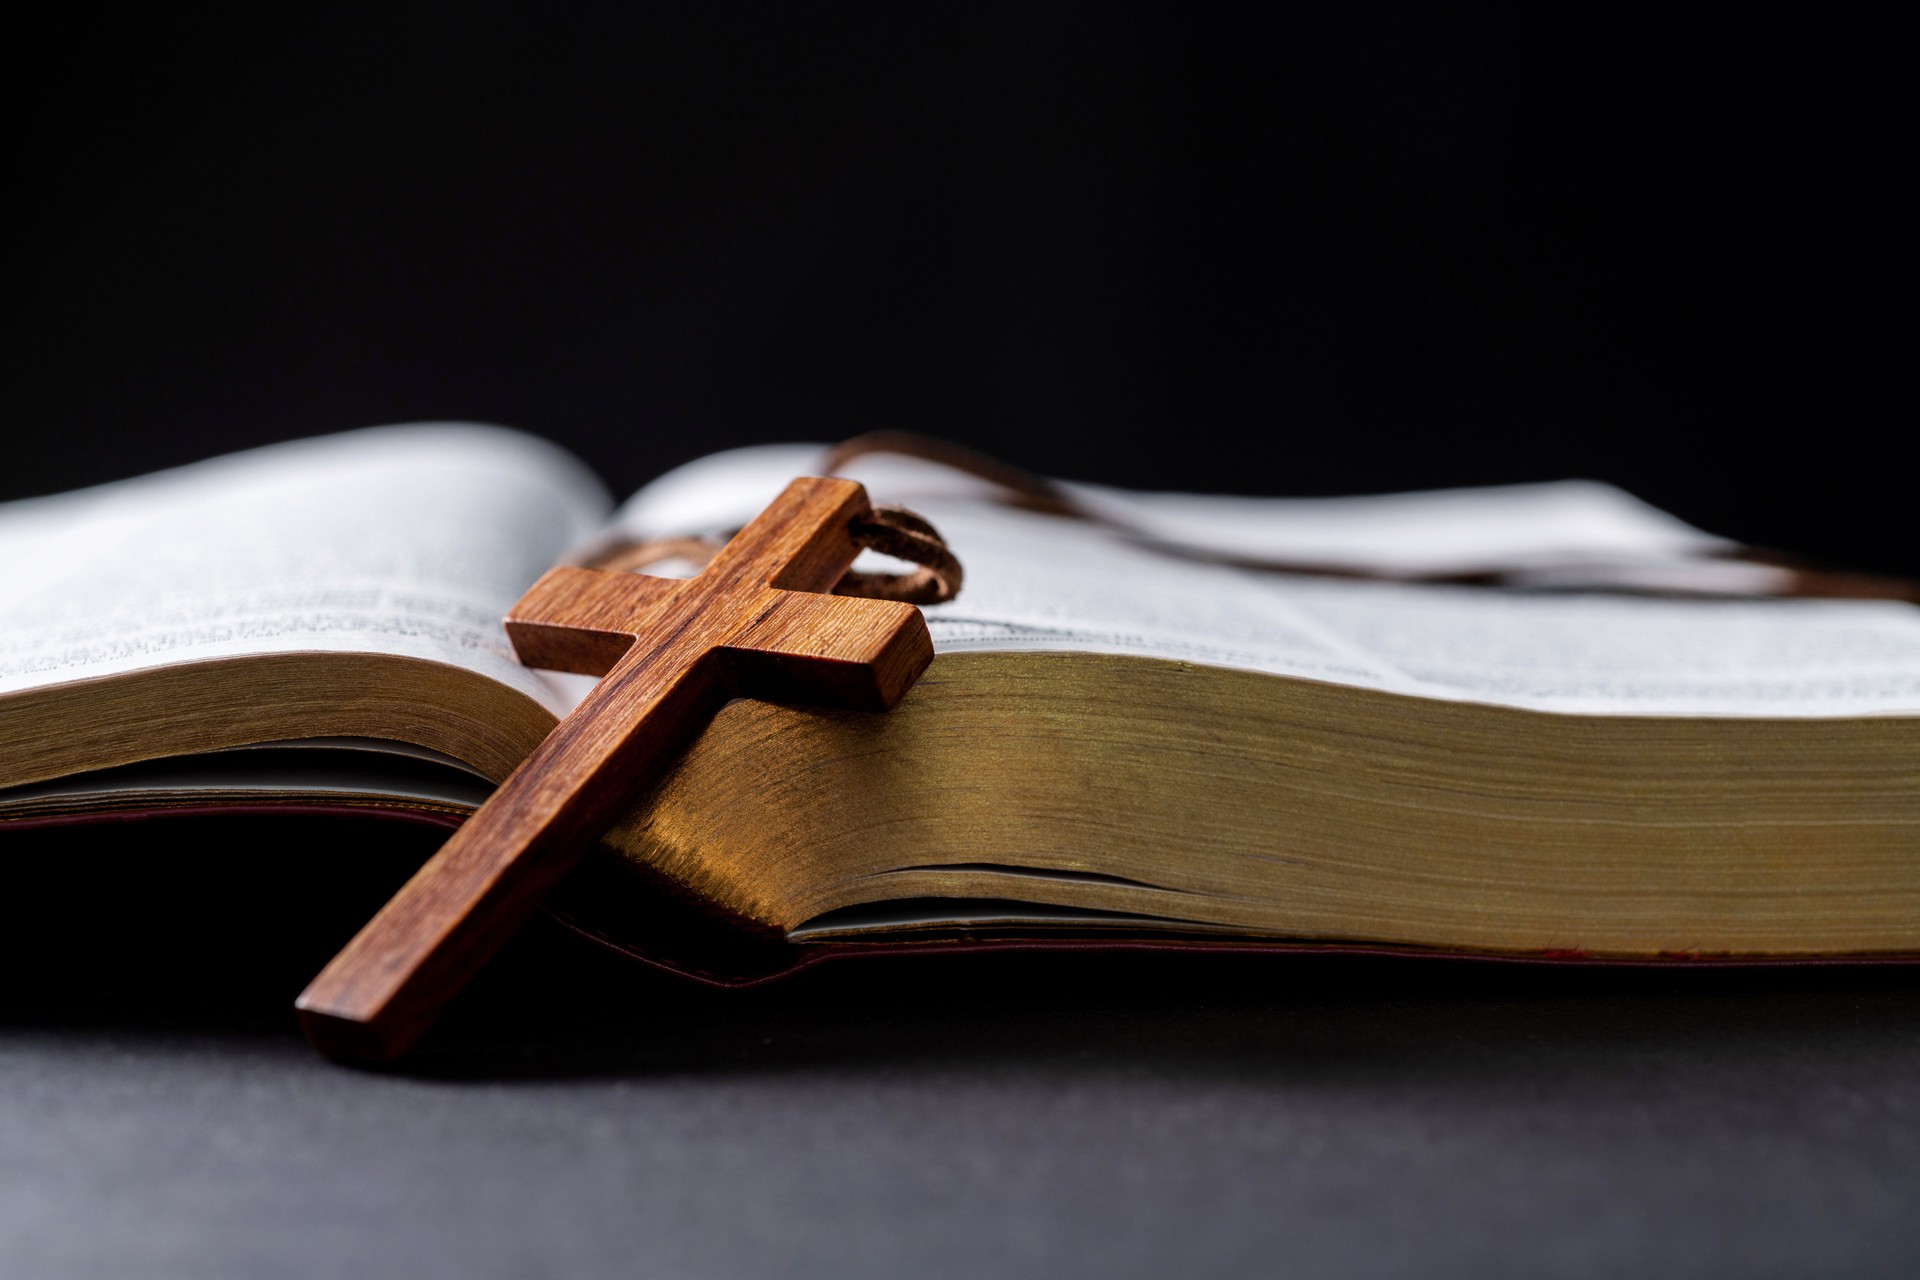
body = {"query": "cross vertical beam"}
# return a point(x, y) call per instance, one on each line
point(753, 623)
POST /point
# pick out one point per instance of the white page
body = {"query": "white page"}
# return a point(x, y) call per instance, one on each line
point(1448, 532)
point(410, 540)
point(1042, 582)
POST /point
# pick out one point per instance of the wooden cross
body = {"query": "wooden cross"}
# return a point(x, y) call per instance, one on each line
point(752, 624)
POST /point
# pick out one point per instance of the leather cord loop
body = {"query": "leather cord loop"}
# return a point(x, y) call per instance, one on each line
point(900, 533)
point(890, 531)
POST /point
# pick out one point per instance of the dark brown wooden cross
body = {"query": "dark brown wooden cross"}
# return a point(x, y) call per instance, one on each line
point(754, 623)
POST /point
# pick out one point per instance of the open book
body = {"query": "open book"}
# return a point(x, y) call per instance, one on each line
point(1126, 737)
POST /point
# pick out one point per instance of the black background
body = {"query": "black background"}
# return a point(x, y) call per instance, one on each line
point(1332, 249)
point(1313, 249)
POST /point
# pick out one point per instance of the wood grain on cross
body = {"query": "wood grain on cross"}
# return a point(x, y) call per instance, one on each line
point(755, 623)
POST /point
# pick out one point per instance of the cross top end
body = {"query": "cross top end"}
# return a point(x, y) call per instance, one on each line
point(757, 617)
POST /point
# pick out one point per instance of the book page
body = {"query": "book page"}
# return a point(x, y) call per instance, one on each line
point(1047, 582)
point(411, 541)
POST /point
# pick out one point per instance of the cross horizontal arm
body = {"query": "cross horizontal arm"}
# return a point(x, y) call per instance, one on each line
point(837, 650)
point(584, 620)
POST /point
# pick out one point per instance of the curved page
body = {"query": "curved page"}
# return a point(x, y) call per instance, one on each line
point(1044, 582)
point(410, 541)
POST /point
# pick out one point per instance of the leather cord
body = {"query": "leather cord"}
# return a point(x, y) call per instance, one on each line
point(889, 530)
point(1800, 577)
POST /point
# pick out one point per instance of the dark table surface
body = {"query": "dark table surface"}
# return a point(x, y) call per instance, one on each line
point(974, 1115)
